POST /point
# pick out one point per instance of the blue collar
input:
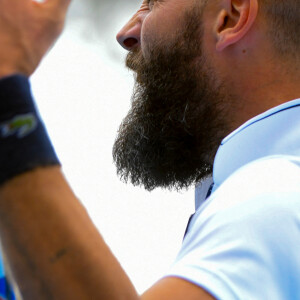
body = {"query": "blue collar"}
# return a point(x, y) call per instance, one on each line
point(274, 132)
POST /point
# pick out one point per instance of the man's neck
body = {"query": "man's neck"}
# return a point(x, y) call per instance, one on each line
point(261, 91)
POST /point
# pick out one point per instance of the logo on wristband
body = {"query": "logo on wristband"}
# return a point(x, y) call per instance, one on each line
point(21, 126)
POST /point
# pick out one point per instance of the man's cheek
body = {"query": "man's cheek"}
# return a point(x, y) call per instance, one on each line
point(151, 35)
point(145, 37)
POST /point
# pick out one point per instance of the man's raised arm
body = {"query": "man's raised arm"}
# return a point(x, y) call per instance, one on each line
point(52, 249)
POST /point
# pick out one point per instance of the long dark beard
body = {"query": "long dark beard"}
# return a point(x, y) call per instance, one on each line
point(175, 124)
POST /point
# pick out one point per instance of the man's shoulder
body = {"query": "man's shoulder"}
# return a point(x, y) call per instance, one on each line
point(245, 228)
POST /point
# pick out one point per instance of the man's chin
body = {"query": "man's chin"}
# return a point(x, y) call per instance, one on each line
point(152, 165)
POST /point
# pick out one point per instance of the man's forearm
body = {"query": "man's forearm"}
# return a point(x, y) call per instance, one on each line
point(54, 250)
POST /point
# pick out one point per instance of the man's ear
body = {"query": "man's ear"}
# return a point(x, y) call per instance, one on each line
point(234, 21)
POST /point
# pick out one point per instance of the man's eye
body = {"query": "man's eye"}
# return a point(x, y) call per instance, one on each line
point(150, 3)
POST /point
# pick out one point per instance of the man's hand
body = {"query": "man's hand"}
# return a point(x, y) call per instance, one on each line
point(27, 30)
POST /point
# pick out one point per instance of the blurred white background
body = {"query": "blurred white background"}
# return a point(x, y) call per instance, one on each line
point(83, 92)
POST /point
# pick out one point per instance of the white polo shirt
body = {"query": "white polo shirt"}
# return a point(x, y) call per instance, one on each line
point(244, 240)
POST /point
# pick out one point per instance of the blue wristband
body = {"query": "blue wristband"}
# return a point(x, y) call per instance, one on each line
point(24, 142)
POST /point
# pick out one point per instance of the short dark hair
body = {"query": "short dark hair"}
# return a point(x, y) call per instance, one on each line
point(283, 17)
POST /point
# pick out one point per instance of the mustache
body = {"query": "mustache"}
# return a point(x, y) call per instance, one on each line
point(134, 60)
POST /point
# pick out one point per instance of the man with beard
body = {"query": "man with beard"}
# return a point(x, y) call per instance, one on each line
point(203, 69)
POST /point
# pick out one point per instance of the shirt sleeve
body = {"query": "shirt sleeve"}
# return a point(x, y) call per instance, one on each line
point(248, 248)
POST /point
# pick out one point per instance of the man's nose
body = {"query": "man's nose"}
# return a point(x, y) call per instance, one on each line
point(129, 36)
